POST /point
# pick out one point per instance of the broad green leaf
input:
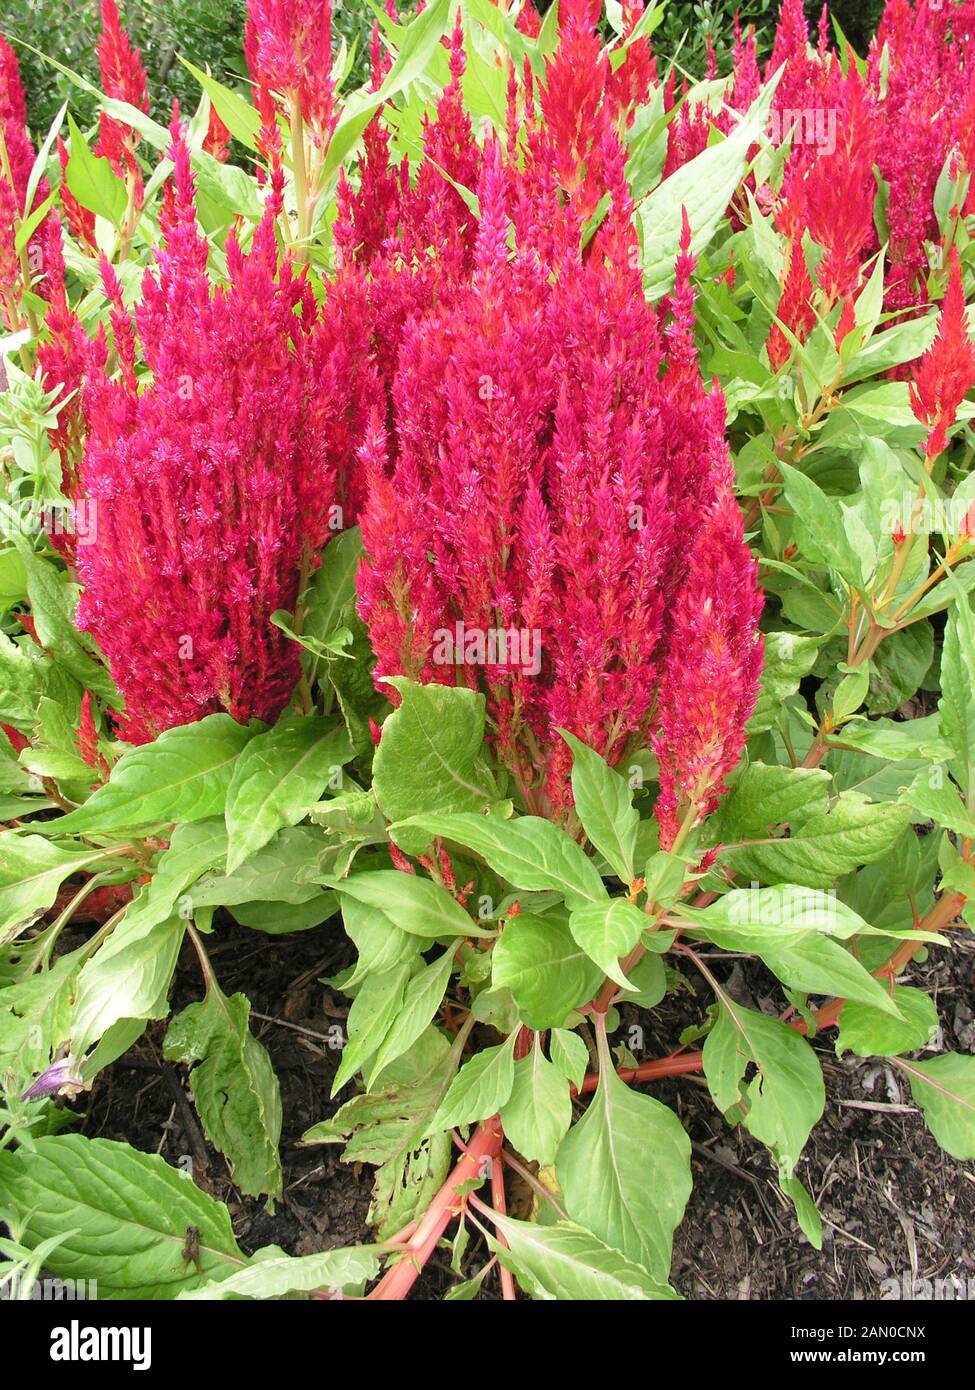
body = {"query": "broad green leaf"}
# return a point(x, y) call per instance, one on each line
point(238, 115)
point(704, 187)
point(528, 852)
point(375, 1006)
point(625, 1172)
point(784, 1099)
point(567, 1263)
point(870, 1032)
point(944, 1088)
point(52, 605)
point(421, 1000)
point(957, 708)
point(416, 905)
point(128, 977)
point(939, 801)
point(428, 756)
point(604, 804)
point(234, 1087)
point(821, 520)
point(275, 1275)
point(854, 831)
point(607, 931)
point(537, 1114)
point(784, 911)
point(92, 180)
point(479, 1090)
point(127, 1215)
point(768, 795)
point(819, 965)
point(548, 974)
point(182, 776)
point(379, 943)
point(277, 777)
point(570, 1054)
point(286, 870)
point(32, 870)
point(788, 657)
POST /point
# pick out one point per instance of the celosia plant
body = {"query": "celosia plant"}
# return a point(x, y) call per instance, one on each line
point(654, 407)
point(211, 479)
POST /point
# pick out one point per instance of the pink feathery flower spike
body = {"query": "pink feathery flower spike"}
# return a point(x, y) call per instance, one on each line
point(710, 680)
point(123, 78)
point(288, 45)
point(211, 479)
point(13, 190)
point(946, 372)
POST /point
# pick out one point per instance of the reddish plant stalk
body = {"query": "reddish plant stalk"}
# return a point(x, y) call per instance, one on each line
point(485, 1144)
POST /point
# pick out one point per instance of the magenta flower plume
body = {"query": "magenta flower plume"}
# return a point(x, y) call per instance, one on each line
point(536, 474)
point(210, 478)
point(15, 166)
point(123, 78)
point(946, 373)
point(288, 44)
point(710, 679)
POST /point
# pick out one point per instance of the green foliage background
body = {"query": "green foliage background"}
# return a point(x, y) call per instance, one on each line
point(205, 31)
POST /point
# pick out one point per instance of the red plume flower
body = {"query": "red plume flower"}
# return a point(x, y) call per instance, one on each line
point(795, 307)
point(124, 79)
point(17, 163)
point(288, 44)
point(211, 482)
point(946, 372)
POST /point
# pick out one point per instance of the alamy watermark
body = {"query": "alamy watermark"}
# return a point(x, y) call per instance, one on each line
point(518, 648)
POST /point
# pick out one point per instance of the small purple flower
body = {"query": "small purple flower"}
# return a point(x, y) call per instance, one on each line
point(59, 1076)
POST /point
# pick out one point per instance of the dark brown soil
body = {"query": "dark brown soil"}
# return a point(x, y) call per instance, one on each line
point(893, 1205)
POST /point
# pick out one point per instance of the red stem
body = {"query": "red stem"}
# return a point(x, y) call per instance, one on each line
point(485, 1144)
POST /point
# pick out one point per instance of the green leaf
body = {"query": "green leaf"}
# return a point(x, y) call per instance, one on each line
point(428, 757)
point(423, 997)
point(810, 1221)
point(704, 186)
point(415, 905)
point(606, 931)
point(129, 976)
point(766, 796)
point(957, 708)
point(420, 43)
point(570, 1054)
point(567, 1263)
point(32, 870)
point(127, 1215)
point(870, 1032)
point(783, 912)
point(818, 965)
point(92, 180)
point(479, 1089)
point(784, 1100)
point(234, 1087)
point(238, 115)
point(537, 1114)
point(821, 520)
point(854, 831)
point(52, 605)
point(275, 1275)
point(548, 974)
point(939, 802)
point(182, 776)
point(944, 1088)
point(286, 870)
point(625, 1171)
point(528, 852)
point(277, 777)
point(788, 657)
point(378, 1001)
point(604, 804)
